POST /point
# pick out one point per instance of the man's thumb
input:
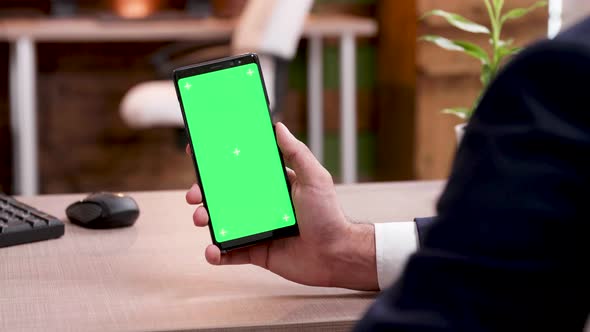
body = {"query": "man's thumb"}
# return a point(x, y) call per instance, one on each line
point(298, 156)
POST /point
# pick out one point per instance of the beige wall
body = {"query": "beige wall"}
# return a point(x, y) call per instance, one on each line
point(574, 10)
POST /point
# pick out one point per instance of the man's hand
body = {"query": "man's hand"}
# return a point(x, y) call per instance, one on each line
point(330, 251)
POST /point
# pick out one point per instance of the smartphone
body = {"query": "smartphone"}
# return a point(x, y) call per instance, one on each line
point(235, 153)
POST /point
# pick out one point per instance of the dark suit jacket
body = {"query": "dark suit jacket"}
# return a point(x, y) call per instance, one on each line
point(510, 249)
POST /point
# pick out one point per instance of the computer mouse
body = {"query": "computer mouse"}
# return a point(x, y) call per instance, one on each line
point(104, 210)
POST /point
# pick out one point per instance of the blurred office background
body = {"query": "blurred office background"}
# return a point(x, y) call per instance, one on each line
point(84, 144)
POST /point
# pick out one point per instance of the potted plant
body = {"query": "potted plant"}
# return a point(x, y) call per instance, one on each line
point(491, 62)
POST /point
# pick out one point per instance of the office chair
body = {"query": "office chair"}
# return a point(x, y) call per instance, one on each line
point(271, 28)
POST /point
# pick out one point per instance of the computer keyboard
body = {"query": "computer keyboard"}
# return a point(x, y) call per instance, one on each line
point(20, 223)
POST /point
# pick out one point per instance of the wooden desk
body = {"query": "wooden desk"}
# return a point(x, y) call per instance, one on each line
point(153, 276)
point(23, 34)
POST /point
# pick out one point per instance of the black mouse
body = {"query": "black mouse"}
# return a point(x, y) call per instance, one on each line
point(104, 210)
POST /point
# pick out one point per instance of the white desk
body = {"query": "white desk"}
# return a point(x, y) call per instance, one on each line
point(24, 33)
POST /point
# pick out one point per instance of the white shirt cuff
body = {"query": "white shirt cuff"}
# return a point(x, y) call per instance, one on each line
point(394, 243)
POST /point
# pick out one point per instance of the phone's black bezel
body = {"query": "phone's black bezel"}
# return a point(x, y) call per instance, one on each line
point(221, 64)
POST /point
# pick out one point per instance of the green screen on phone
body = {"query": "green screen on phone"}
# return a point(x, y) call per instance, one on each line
point(233, 142)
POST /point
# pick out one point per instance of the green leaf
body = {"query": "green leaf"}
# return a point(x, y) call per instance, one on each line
point(474, 51)
point(507, 51)
point(510, 51)
point(520, 12)
point(462, 112)
point(460, 46)
point(491, 13)
point(486, 75)
point(498, 5)
point(442, 42)
point(458, 21)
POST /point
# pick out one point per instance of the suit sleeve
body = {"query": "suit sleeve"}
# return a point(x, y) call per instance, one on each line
point(509, 250)
point(423, 225)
